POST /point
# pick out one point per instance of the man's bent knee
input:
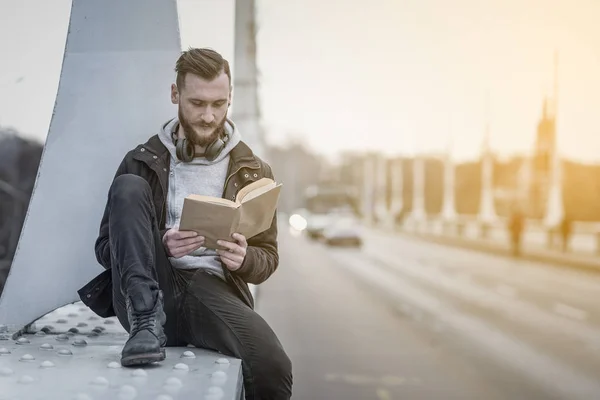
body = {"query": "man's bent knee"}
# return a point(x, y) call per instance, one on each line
point(272, 376)
point(129, 189)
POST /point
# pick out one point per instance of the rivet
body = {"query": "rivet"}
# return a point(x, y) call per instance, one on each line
point(27, 357)
point(61, 321)
point(5, 371)
point(72, 315)
point(82, 325)
point(93, 317)
point(222, 361)
point(46, 346)
point(218, 378)
point(127, 392)
point(164, 169)
point(235, 184)
point(109, 322)
point(62, 337)
point(40, 333)
point(140, 373)
point(246, 175)
point(74, 330)
point(181, 367)
point(188, 354)
point(23, 340)
point(155, 157)
point(47, 364)
point(114, 365)
point(79, 343)
point(256, 175)
point(47, 329)
point(100, 328)
point(100, 381)
point(93, 334)
point(65, 352)
point(172, 381)
point(142, 149)
point(4, 351)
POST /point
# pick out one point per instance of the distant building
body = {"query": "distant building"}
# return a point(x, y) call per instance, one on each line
point(541, 167)
point(297, 168)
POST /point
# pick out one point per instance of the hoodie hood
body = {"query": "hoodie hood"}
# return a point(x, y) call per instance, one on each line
point(166, 137)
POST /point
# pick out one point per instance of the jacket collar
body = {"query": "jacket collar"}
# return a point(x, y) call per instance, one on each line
point(240, 156)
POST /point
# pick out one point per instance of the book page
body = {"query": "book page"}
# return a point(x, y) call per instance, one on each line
point(212, 220)
point(257, 192)
point(210, 199)
point(251, 187)
point(257, 213)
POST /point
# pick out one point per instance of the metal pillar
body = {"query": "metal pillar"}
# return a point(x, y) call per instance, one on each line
point(418, 213)
point(246, 111)
point(113, 94)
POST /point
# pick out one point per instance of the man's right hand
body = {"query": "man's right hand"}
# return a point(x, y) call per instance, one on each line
point(181, 243)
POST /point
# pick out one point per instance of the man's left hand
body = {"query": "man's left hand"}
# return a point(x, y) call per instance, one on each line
point(235, 254)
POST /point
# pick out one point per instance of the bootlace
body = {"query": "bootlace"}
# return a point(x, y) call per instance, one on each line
point(143, 320)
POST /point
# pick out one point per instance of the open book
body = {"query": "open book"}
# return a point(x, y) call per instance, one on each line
point(216, 218)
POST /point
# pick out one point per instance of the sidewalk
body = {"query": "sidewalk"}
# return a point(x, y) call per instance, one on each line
point(529, 252)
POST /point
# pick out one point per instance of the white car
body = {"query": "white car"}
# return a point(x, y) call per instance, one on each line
point(316, 225)
point(344, 231)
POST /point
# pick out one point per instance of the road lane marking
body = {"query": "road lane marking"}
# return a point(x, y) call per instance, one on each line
point(570, 312)
point(513, 308)
point(540, 367)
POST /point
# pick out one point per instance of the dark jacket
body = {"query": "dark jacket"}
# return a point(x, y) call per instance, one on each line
point(151, 162)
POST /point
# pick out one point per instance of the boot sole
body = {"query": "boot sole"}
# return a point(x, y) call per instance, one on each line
point(142, 359)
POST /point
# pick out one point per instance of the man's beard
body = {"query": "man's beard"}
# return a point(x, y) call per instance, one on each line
point(197, 138)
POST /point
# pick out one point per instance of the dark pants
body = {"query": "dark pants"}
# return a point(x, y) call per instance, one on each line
point(202, 309)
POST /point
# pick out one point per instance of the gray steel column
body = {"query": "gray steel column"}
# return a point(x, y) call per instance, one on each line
point(246, 111)
point(114, 93)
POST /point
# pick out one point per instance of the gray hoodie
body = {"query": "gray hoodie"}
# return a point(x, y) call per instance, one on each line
point(199, 176)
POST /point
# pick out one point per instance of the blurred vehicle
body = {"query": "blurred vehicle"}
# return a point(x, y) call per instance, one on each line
point(316, 224)
point(325, 203)
point(343, 231)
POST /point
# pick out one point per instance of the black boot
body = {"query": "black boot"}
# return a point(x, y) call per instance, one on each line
point(147, 338)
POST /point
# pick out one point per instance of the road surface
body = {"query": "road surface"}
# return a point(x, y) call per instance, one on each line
point(406, 319)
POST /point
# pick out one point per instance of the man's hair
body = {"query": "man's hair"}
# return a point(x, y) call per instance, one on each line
point(206, 63)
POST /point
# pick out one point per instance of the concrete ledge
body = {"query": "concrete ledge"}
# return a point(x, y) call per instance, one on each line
point(71, 353)
point(580, 261)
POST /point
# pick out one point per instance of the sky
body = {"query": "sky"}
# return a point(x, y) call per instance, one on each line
point(396, 76)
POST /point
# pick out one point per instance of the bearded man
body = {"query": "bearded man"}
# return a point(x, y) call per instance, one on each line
point(163, 285)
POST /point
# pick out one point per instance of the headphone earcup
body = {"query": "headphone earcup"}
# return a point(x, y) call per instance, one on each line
point(214, 149)
point(184, 151)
